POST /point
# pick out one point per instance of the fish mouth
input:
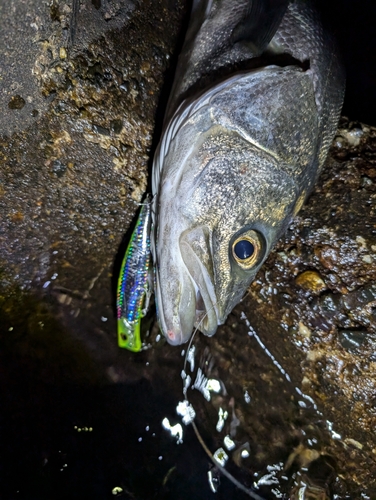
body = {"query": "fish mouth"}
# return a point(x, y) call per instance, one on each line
point(185, 294)
point(176, 317)
point(195, 251)
point(206, 314)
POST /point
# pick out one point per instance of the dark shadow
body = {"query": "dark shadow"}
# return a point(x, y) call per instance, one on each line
point(353, 24)
point(66, 433)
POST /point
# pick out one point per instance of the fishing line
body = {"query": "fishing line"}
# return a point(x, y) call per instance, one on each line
point(222, 469)
point(225, 472)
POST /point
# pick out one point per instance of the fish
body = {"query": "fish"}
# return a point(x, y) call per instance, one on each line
point(253, 110)
point(134, 289)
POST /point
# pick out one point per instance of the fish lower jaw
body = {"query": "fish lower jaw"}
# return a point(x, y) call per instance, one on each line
point(204, 319)
point(206, 315)
point(192, 307)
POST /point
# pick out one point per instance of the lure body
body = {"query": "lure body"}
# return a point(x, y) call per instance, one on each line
point(133, 284)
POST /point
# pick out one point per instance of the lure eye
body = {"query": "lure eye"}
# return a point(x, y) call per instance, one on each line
point(246, 249)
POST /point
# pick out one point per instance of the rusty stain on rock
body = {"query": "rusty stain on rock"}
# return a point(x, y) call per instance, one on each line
point(311, 281)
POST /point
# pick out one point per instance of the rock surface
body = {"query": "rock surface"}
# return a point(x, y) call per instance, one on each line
point(313, 304)
point(74, 158)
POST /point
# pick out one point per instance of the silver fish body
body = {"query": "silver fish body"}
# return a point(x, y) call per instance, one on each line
point(254, 107)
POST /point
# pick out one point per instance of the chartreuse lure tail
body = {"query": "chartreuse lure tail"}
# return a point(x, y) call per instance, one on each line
point(133, 284)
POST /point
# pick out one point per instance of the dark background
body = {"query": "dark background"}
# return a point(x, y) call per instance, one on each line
point(354, 26)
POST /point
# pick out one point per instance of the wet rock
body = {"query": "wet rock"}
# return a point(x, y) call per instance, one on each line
point(74, 156)
point(335, 234)
point(304, 331)
point(58, 168)
point(75, 144)
point(353, 136)
point(311, 281)
point(352, 340)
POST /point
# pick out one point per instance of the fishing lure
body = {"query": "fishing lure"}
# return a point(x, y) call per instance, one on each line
point(133, 290)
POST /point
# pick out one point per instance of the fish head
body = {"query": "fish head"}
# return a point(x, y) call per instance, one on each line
point(220, 210)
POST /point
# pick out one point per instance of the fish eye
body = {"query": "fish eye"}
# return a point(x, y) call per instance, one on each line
point(246, 249)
